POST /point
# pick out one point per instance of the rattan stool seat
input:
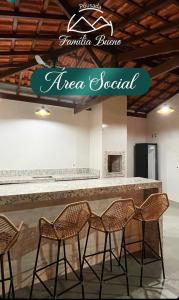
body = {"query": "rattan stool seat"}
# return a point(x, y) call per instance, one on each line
point(115, 217)
point(5, 240)
point(9, 234)
point(152, 208)
point(68, 224)
point(96, 222)
point(62, 230)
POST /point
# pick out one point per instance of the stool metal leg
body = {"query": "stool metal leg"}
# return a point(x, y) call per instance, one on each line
point(121, 248)
point(65, 262)
point(142, 253)
point(103, 264)
point(81, 268)
point(57, 267)
point(86, 244)
point(35, 267)
point(161, 250)
point(11, 277)
point(2, 277)
point(125, 258)
point(110, 253)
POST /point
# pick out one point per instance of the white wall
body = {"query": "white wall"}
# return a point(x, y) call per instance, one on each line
point(27, 142)
point(95, 157)
point(114, 133)
point(115, 119)
point(136, 133)
point(164, 130)
point(63, 140)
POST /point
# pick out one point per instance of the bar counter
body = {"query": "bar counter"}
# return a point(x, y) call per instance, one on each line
point(54, 193)
point(28, 202)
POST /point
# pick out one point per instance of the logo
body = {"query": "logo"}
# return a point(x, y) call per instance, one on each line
point(80, 23)
point(89, 27)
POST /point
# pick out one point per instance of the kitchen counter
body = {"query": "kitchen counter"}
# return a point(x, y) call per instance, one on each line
point(29, 202)
point(49, 187)
point(55, 192)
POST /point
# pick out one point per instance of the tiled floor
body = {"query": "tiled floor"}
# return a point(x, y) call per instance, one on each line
point(154, 288)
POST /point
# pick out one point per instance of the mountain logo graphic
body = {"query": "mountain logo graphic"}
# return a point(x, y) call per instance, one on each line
point(82, 22)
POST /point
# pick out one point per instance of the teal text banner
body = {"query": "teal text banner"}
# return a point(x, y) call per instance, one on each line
point(90, 82)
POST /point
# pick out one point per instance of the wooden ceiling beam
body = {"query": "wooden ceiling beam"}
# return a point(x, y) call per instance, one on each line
point(88, 104)
point(38, 100)
point(172, 84)
point(162, 101)
point(42, 16)
point(66, 7)
point(112, 12)
point(153, 62)
point(34, 16)
point(7, 65)
point(49, 55)
point(122, 18)
point(26, 37)
point(165, 67)
point(43, 37)
point(45, 6)
point(137, 115)
point(143, 12)
point(150, 32)
point(82, 58)
point(93, 57)
point(165, 47)
point(140, 98)
point(23, 53)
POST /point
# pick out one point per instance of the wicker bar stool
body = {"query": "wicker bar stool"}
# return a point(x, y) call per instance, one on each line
point(67, 225)
point(9, 234)
point(114, 219)
point(150, 211)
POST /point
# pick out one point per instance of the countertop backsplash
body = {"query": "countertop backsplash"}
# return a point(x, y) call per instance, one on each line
point(36, 175)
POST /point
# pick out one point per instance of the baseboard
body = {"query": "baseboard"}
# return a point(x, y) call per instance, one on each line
point(174, 204)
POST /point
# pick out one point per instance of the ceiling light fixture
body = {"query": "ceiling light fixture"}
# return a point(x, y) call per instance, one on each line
point(42, 112)
point(165, 110)
point(104, 125)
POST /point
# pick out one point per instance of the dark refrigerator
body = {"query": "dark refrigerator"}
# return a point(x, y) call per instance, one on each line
point(146, 160)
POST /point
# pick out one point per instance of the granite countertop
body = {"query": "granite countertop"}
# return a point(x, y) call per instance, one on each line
point(53, 178)
point(68, 186)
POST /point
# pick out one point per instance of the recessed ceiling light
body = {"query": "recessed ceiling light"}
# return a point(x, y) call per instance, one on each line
point(165, 110)
point(42, 112)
